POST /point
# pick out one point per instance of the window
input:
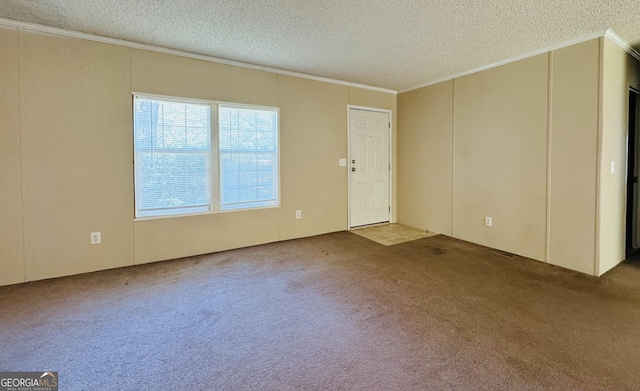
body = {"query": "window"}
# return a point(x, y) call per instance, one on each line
point(197, 157)
point(248, 156)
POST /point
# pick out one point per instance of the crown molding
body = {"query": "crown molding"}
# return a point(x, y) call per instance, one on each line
point(615, 38)
point(158, 49)
point(546, 49)
point(609, 33)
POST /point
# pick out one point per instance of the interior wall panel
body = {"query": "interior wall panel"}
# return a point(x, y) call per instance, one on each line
point(164, 74)
point(313, 138)
point(425, 164)
point(163, 239)
point(77, 151)
point(500, 166)
point(11, 226)
point(573, 158)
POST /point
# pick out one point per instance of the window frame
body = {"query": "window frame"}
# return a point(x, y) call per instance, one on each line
point(215, 185)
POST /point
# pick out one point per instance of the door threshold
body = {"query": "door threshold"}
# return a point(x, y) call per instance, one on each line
point(369, 225)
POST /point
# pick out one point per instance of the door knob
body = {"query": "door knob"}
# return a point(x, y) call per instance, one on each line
point(353, 169)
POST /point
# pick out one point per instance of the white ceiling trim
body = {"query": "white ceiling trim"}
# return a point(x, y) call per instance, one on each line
point(609, 33)
point(598, 34)
point(134, 45)
point(615, 38)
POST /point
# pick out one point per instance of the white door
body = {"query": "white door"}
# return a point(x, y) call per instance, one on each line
point(369, 167)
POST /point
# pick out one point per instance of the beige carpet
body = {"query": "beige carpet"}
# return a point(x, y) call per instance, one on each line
point(332, 312)
point(390, 234)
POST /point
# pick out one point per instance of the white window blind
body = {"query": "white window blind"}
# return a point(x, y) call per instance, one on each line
point(172, 146)
point(248, 141)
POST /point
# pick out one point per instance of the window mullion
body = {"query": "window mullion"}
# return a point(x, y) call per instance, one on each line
point(214, 127)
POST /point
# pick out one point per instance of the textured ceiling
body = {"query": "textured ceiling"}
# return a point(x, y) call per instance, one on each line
point(395, 44)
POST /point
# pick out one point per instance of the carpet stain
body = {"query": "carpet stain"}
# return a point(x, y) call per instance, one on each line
point(223, 262)
point(436, 251)
point(208, 317)
point(294, 286)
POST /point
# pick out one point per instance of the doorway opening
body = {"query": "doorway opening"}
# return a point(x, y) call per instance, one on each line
point(632, 224)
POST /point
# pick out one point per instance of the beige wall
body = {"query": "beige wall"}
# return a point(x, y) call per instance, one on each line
point(619, 71)
point(69, 111)
point(475, 147)
point(184, 236)
point(368, 98)
point(573, 158)
point(519, 143)
point(11, 226)
point(75, 113)
point(163, 74)
point(425, 164)
point(500, 143)
point(525, 153)
point(313, 139)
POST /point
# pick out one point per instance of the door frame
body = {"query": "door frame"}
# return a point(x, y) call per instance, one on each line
point(632, 192)
point(391, 162)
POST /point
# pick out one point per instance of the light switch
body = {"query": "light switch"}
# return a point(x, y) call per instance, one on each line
point(342, 162)
point(613, 167)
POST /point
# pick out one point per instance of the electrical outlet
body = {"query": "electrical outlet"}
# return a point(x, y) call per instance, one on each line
point(96, 238)
point(488, 222)
point(298, 214)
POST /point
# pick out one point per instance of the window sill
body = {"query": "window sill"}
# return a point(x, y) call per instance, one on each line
point(212, 212)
